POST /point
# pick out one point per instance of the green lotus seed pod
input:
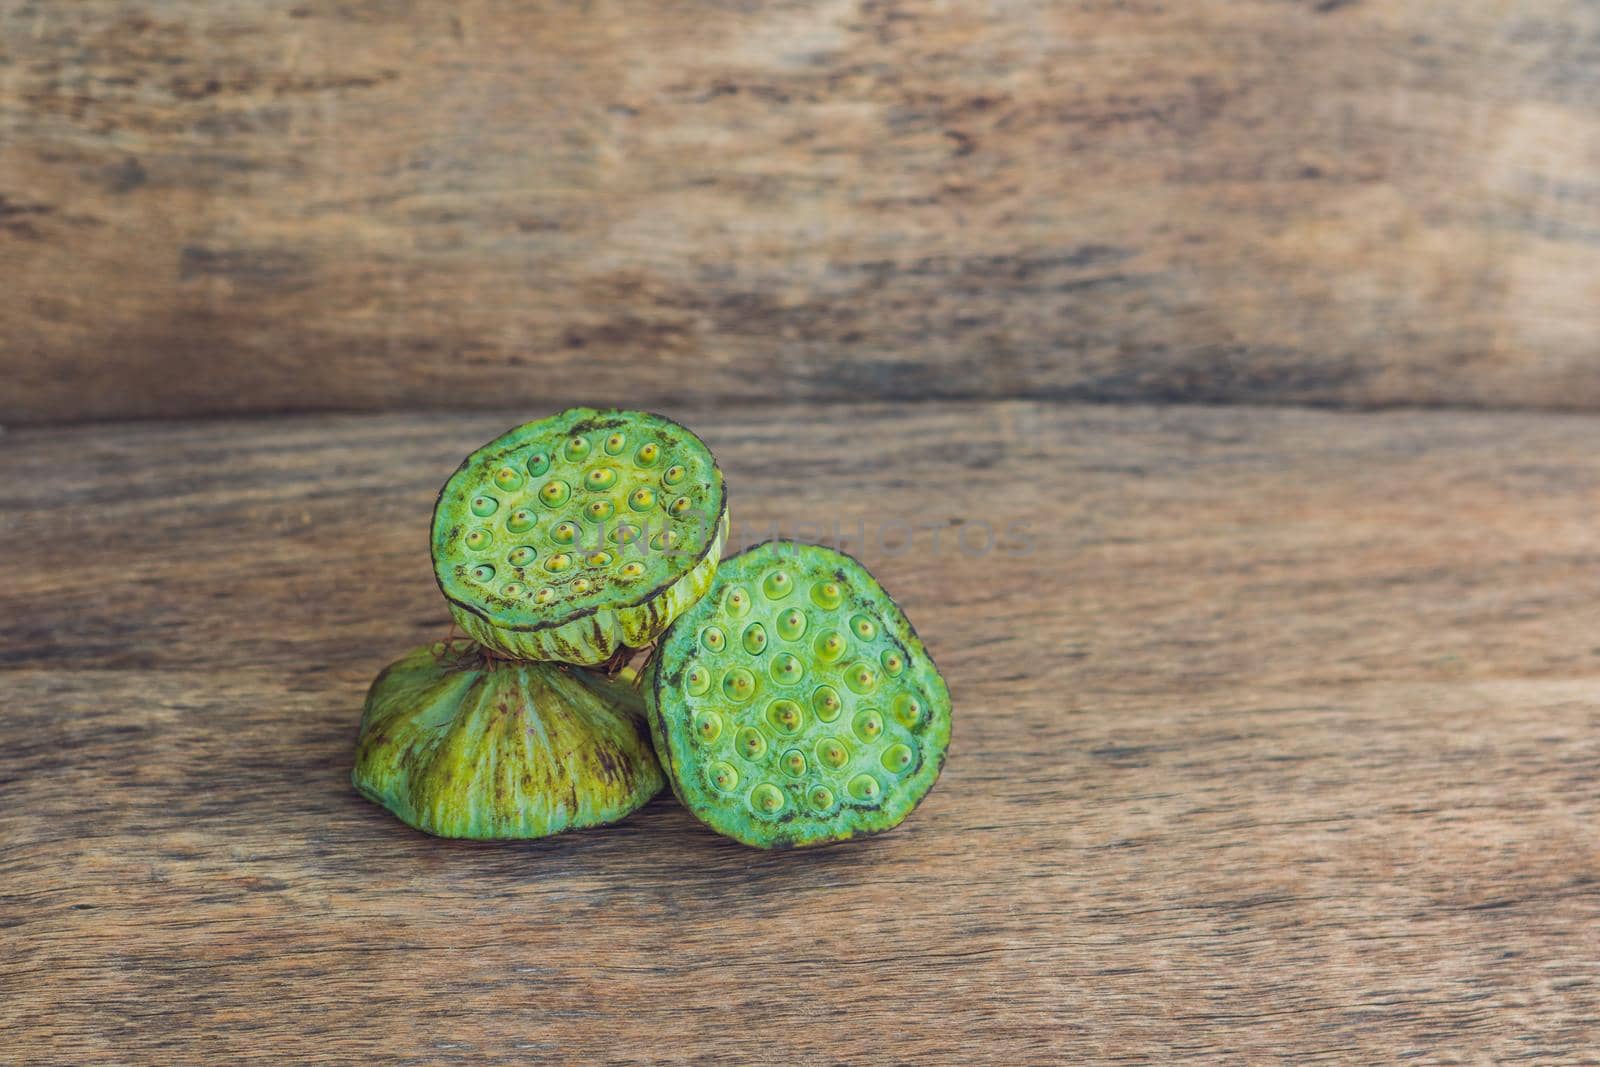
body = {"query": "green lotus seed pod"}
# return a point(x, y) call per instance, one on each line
point(580, 534)
point(459, 745)
point(785, 740)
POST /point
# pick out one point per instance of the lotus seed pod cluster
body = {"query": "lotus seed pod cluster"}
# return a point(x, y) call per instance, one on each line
point(787, 699)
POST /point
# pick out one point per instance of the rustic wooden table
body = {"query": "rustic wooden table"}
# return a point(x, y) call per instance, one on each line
point(1276, 736)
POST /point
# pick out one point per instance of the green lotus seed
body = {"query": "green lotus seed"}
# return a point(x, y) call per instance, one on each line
point(632, 569)
point(786, 669)
point(785, 715)
point(827, 595)
point(479, 539)
point(537, 464)
point(599, 479)
point(557, 563)
point(599, 510)
point(766, 798)
point(521, 556)
point(907, 710)
point(825, 701)
point(863, 628)
point(599, 559)
point(680, 506)
point(821, 797)
point(750, 744)
point(615, 443)
point(793, 763)
point(511, 589)
point(483, 506)
point(575, 448)
point(554, 493)
point(755, 639)
point(864, 787)
point(697, 681)
point(520, 521)
point(860, 678)
point(791, 624)
point(674, 475)
point(544, 595)
point(738, 685)
point(508, 478)
point(642, 498)
point(665, 540)
point(897, 759)
point(723, 776)
point(713, 639)
point(892, 663)
point(647, 455)
point(832, 753)
point(580, 585)
point(868, 725)
point(777, 586)
point(564, 533)
point(708, 726)
point(483, 572)
point(829, 646)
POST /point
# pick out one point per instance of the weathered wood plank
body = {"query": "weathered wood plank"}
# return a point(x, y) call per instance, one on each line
point(219, 206)
point(1279, 741)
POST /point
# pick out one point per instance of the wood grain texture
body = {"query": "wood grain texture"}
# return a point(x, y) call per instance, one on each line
point(228, 206)
point(1277, 737)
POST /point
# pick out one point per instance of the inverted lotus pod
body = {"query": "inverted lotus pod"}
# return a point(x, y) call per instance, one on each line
point(580, 534)
point(794, 705)
point(460, 745)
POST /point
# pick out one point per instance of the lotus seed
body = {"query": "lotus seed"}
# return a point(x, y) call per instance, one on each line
point(599, 510)
point(826, 595)
point(863, 628)
point(713, 639)
point(642, 499)
point(697, 680)
point(632, 569)
point(864, 787)
point(508, 478)
point(484, 506)
point(755, 639)
point(739, 685)
point(483, 572)
point(557, 563)
point(614, 444)
point(647, 455)
point(794, 763)
point(777, 586)
point(832, 752)
point(860, 678)
point(599, 559)
point(829, 646)
point(708, 726)
point(827, 703)
point(821, 797)
point(892, 663)
point(511, 589)
point(674, 475)
point(792, 624)
point(564, 533)
point(766, 798)
point(575, 448)
point(521, 556)
point(723, 776)
point(750, 743)
point(907, 709)
point(897, 759)
point(520, 521)
point(599, 479)
point(786, 716)
point(537, 464)
point(868, 725)
point(554, 493)
point(786, 669)
point(479, 539)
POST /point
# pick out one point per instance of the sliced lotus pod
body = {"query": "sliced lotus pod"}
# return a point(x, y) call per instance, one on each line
point(577, 535)
point(461, 745)
point(794, 705)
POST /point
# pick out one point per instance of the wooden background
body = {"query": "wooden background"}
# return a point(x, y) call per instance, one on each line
point(263, 205)
point(1277, 730)
point(1277, 737)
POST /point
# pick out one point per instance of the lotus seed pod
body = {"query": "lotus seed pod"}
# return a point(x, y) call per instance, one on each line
point(822, 719)
point(580, 534)
point(459, 745)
